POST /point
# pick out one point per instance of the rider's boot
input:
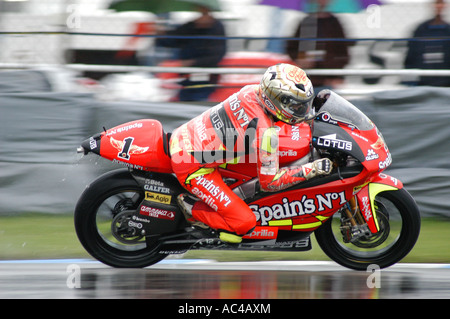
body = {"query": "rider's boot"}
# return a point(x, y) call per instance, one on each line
point(186, 202)
point(230, 237)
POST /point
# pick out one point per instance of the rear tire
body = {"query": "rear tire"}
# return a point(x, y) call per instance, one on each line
point(399, 219)
point(99, 216)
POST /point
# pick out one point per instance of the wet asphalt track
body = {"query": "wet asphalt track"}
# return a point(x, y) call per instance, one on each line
point(203, 279)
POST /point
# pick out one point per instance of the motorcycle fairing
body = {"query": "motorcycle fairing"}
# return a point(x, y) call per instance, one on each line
point(333, 137)
point(158, 212)
point(300, 210)
point(140, 144)
point(366, 197)
point(341, 127)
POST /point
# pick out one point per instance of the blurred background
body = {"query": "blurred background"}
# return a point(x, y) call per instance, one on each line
point(68, 68)
point(98, 45)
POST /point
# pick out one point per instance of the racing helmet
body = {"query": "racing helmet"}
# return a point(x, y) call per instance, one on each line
point(286, 92)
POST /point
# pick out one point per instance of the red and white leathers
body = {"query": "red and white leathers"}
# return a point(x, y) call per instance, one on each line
point(236, 127)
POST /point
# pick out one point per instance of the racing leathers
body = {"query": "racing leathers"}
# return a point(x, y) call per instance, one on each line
point(239, 126)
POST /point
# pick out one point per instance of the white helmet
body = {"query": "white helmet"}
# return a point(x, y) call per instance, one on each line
point(287, 93)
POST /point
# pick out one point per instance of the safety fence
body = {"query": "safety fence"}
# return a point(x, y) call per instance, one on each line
point(190, 70)
point(60, 54)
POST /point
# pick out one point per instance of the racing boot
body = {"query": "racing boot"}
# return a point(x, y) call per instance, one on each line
point(230, 238)
point(186, 202)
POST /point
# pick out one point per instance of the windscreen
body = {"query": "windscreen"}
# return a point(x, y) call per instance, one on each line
point(342, 110)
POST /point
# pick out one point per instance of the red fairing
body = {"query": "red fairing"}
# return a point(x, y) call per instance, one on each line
point(366, 209)
point(387, 180)
point(140, 144)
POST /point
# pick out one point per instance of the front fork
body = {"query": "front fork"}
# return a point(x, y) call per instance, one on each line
point(353, 225)
point(360, 213)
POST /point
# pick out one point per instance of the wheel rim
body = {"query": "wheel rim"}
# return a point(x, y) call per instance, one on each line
point(390, 221)
point(114, 221)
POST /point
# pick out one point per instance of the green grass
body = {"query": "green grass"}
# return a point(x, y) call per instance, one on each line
point(41, 236)
point(38, 236)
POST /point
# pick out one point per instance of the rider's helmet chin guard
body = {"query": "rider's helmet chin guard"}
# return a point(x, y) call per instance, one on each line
point(286, 92)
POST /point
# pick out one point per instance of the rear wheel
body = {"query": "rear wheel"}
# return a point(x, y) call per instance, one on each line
point(399, 222)
point(104, 223)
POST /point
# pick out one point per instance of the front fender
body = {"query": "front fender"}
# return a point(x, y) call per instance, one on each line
point(366, 197)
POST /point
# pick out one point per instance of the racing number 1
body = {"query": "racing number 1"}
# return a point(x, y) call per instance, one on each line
point(124, 153)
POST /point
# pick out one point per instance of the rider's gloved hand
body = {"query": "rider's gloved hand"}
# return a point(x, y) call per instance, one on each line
point(321, 166)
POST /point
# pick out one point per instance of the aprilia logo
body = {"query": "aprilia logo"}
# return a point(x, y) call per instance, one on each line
point(263, 233)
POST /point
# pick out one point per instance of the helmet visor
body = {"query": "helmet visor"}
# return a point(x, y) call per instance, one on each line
point(298, 109)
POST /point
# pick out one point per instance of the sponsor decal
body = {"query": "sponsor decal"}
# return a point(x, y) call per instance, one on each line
point(263, 233)
point(295, 133)
point(156, 186)
point(158, 198)
point(393, 179)
point(125, 128)
point(360, 136)
point(365, 209)
point(200, 128)
point(380, 142)
point(138, 219)
point(238, 111)
point(299, 76)
point(135, 225)
point(157, 213)
point(215, 118)
point(290, 209)
point(133, 166)
point(267, 102)
point(295, 74)
point(287, 153)
point(215, 193)
point(92, 143)
point(186, 138)
point(325, 117)
point(332, 141)
point(386, 162)
point(371, 155)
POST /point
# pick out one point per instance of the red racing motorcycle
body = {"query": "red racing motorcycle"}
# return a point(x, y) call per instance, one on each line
point(129, 217)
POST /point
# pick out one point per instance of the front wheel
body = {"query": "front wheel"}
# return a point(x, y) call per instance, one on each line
point(399, 222)
point(102, 218)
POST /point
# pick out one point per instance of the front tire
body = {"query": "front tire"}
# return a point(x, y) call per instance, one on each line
point(101, 217)
point(399, 220)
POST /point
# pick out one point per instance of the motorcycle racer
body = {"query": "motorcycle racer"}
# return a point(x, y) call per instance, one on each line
point(242, 125)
